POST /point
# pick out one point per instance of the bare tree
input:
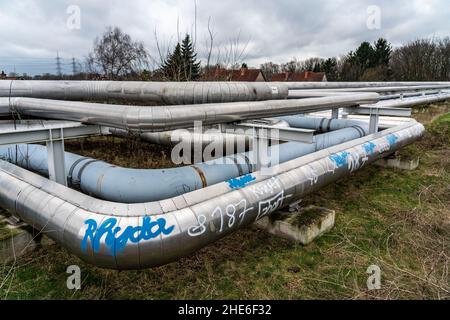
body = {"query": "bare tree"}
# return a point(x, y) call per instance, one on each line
point(116, 55)
point(234, 52)
point(422, 60)
point(211, 43)
point(291, 66)
point(268, 69)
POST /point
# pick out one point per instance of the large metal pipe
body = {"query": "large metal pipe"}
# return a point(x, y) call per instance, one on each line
point(163, 118)
point(202, 136)
point(300, 94)
point(413, 101)
point(145, 91)
point(171, 138)
point(124, 236)
point(296, 94)
point(359, 84)
point(324, 124)
point(408, 94)
point(113, 183)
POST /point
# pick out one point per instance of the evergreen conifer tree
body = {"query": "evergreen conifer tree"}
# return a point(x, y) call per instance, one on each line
point(172, 68)
point(191, 67)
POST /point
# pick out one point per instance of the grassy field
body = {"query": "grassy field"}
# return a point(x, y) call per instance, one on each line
point(398, 220)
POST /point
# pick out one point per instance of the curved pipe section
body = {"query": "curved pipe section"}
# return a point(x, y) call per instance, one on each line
point(203, 138)
point(163, 118)
point(324, 124)
point(124, 236)
point(106, 181)
point(145, 91)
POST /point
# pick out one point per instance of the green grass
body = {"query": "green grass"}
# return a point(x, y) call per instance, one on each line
point(399, 220)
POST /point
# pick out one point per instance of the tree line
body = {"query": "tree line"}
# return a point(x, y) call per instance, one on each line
point(418, 60)
point(116, 56)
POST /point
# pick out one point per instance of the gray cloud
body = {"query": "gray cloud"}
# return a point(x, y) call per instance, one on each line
point(32, 31)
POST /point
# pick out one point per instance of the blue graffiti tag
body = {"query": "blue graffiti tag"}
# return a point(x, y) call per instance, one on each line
point(340, 159)
point(369, 147)
point(241, 182)
point(392, 139)
point(116, 243)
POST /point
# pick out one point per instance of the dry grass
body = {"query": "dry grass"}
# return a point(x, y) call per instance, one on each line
point(398, 220)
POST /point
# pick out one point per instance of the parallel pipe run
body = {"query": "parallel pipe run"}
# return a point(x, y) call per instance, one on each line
point(300, 94)
point(203, 137)
point(295, 94)
point(157, 92)
point(175, 92)
point(106, 181)
point(359, 84)
point(413, 101)
point(124, 236)
point(409, 94)
point(163, 118)
point(324, 124)
point(189, 137)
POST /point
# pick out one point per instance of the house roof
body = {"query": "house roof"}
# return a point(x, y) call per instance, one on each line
point(283, 76)
point(222, 74)
point(299, 76)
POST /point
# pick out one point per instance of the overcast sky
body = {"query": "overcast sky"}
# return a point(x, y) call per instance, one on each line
point(32, 31)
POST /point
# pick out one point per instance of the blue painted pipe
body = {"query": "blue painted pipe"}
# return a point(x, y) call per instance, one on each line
point(118, 184)
point(324, 124)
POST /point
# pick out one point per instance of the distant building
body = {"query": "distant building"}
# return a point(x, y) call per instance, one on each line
point(300, 76)
point(243, 74)
point(11, 76)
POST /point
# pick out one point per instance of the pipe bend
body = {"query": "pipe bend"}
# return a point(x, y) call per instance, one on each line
point(120, 236)
point(114, 183)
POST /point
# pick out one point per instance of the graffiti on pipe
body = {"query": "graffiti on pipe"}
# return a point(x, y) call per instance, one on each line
point(353, 159)
point(392, 139)
point(310, 174)
point(115, 240)
point(234, 212)
point(271, 205)
point(267, 188)
point(356, 160)
point(241, 182)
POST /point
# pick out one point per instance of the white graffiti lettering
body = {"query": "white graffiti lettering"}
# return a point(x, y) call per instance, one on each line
point(271, 205)
point(230, 212)
point(199, 229)
point(267, 188)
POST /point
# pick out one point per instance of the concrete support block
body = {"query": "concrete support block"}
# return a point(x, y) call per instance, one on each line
point(15, 241)
point(398, 163)
point(302, 226)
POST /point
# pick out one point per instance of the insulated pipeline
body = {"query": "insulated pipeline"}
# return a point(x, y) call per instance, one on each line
point(359, 84)
point(163, 118)
point(113, 183)
point(145, 91)
point(134, 236)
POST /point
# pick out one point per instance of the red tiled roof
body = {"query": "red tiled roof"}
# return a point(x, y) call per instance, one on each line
point(243, 74)
point(284, 76)
point(299, 76)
